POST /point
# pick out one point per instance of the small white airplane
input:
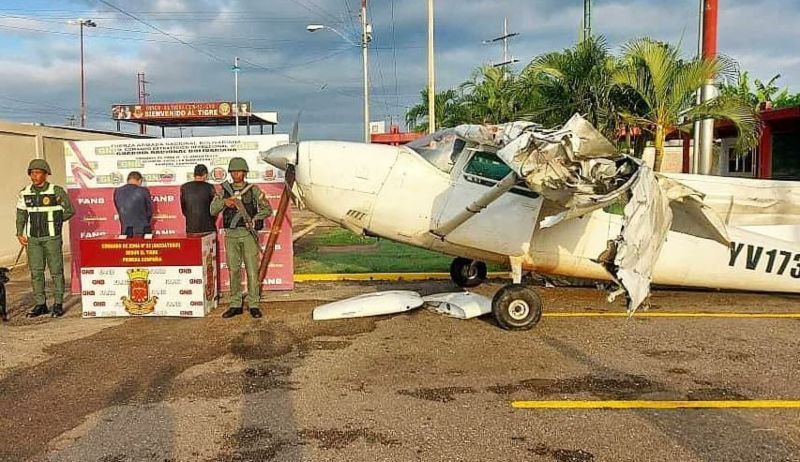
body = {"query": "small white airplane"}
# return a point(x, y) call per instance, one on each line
point(560, 202)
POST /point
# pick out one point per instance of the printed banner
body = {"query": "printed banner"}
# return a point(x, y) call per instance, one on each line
point(96, 168)
point(148, 277)
point(178, 111)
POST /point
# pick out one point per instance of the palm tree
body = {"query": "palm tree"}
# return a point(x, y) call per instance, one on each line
point(492, 96)
point(578, 79)
point(667, 85)
point(448, 107)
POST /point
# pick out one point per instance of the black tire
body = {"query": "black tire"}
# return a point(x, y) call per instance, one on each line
point(516, 307)
point(467, 273)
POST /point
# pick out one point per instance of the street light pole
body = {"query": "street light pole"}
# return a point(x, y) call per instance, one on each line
point(83, 23)
point(431, 73)
point(235, 70)
point(365, 36)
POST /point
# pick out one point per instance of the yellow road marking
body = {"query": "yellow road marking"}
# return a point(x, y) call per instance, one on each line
point(639, 404)
point(382, 276)
point(673, 314)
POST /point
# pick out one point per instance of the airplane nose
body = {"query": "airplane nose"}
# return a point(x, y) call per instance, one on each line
point(281, 156)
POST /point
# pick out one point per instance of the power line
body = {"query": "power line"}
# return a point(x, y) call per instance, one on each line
point(142, 39)
point(352, 16)
point(378, 66)
point(210, 55)
point(197, 18)
point(316, 83)
point(317, 11)
point(311, 61)
point(214, 44)
point(45, 104)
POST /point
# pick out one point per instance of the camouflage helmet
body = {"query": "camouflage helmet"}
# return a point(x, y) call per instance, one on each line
point(238, 164)
point(39, 164)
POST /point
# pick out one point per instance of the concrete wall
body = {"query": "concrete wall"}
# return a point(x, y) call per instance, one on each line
point(673, 158)
point(18, 145)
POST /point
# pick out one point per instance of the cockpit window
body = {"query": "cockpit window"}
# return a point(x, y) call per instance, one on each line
point(441, 149)
point(486, 169)
point(487, 165)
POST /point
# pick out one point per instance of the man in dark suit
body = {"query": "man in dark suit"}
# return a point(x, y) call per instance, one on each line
point(134, 207)
point(196, 197)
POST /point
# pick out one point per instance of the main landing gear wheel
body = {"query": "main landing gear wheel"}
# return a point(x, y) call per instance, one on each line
point(516, 307)
point(467, 273)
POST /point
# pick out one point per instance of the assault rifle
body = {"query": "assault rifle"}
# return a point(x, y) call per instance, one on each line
point(248, 220)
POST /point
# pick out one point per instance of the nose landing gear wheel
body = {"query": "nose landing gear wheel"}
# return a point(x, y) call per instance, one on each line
point(516, 307)
point(467, 273)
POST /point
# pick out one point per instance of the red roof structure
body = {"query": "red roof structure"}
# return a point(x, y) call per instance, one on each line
point(395, 137)
point(776, 122)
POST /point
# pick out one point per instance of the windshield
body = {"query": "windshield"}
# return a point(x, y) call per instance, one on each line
point(441, 149)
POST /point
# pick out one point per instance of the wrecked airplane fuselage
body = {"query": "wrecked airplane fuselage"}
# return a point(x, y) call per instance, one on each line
point(552, 201)
point(578, 171)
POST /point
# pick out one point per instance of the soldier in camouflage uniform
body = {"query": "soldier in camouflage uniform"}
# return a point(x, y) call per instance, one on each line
point(42, 209)
point(240, 227)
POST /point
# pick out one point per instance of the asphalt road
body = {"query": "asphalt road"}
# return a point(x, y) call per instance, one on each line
point(416, 386)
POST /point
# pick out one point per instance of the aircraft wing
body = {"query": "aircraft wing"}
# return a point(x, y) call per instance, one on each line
point(746, 201)
point(577, 170)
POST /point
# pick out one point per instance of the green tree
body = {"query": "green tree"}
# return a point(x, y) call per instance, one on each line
point(578, 79)
point(787, 100)
point(768, 92)
point(492, 96)
point(667, 85)
point(740, 88)
point(449, 111)
point(759, 93)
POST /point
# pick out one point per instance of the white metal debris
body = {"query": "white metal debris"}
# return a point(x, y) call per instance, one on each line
point(374, 304)
point(460, 305)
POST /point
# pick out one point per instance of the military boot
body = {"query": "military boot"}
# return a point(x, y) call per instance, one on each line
point(58, 310)
point(38, 310)
point(255, 312)
point(232, 311)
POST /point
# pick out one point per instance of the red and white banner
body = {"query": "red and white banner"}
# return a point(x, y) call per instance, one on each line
point(148, 277)
point(96, 168)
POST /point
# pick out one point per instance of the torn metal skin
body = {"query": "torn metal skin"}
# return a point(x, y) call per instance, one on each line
point(577, 170)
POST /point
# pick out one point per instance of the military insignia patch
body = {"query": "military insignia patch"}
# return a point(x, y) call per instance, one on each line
point(139, 302)
point(45, 200)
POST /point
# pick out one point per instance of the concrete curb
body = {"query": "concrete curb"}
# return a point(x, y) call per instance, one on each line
point(384, 276)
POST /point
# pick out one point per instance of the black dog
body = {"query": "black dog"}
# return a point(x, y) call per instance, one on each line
point(3, 279)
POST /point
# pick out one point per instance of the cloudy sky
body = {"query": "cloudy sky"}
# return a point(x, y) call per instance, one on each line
point(186, 48)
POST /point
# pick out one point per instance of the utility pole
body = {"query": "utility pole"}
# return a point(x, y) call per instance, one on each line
point(366, 35)
point(696, 126)
point(431, 73)
point(710, 10)
point(587, 19)
point(83, 23)
point(141, 83)
point(235, 70)
point(504, 38)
